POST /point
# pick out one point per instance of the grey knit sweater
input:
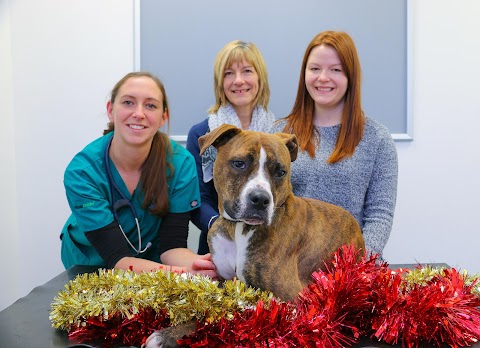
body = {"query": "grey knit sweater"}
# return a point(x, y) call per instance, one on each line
point(364, 184)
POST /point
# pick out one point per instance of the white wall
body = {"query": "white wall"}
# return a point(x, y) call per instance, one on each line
point(59, 58)
point(438, 197)
point(9, 232)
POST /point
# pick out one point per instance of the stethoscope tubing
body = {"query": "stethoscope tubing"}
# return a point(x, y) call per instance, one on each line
point(124, 201)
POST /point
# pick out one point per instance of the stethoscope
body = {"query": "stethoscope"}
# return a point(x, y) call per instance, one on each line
point(122, 202)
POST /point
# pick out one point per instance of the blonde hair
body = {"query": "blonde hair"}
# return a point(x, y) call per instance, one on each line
point(235, 52)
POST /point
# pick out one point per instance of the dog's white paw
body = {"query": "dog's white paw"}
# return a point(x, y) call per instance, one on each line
point(167, 337)
point(158, 339)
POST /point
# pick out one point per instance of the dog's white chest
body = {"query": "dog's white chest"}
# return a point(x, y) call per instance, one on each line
point(230, 256)
point(224, 256)
point(242, 241)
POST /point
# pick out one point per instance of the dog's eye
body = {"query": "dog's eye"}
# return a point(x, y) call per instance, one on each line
point(280, 173)
point(238, 164)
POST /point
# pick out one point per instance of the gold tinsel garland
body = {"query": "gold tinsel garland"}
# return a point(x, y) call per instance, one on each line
point(422, 275)
point(183, 296)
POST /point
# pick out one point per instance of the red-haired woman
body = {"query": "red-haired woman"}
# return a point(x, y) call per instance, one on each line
point(345, 158)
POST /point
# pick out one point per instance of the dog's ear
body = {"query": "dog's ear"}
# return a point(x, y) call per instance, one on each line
point(218, 137)
point(291, 143)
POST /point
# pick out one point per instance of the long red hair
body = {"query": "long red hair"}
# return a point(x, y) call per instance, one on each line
point(300, 119)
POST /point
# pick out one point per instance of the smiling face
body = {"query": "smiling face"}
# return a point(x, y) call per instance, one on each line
point(137, 111)
point(325, 79)
point(240, 84)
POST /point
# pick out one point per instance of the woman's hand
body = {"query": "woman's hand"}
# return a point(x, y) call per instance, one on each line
point(203, 265)
point(185, 260)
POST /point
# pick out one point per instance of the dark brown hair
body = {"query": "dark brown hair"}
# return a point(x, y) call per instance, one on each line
point(154, 184)
point(300, 119)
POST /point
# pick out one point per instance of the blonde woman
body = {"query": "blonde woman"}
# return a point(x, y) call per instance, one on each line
point(242, 94)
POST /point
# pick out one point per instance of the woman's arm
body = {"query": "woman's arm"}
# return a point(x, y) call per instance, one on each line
point(173, 236)
point(183, 259)
point(114, 250)
point(381, 198)
point(190, 262)
point(208, 211)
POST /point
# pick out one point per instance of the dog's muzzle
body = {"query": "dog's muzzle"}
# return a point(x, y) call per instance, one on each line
point(254, 208)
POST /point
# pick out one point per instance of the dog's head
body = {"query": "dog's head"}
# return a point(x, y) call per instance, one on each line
point(251, 172)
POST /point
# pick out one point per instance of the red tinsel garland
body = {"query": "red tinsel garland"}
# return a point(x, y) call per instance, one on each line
point(349, 300)
point(443, 311)
point(258, 327)
point(328, 313)
point(132, 332)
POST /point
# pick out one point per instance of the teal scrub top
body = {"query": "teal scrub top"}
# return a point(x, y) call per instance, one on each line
point(90, 199)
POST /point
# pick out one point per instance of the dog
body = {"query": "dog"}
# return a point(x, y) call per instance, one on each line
point(265, 236)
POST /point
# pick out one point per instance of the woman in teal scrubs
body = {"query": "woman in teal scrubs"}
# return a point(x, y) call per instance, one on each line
point(131, 191)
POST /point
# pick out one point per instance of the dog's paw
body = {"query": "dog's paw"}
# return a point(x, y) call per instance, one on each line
point(167, 337)
point(160, 339)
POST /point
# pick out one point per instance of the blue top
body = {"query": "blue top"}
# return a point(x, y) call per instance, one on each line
point(89, 197)
point(204, 215)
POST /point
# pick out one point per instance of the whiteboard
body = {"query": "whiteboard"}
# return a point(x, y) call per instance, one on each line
point(178, 41)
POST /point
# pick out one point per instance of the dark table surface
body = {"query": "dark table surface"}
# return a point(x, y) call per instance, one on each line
point(26, 322)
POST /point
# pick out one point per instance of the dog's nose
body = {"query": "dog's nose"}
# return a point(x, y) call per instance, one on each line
point(259, 199)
